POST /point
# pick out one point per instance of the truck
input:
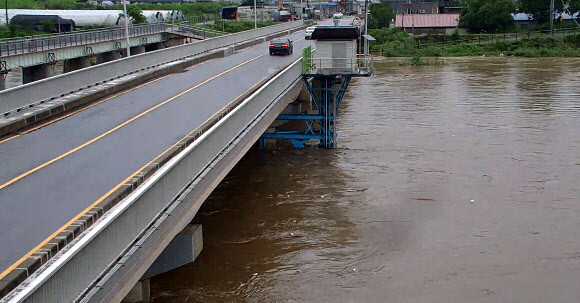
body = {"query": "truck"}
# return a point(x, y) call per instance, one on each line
point(283, 15)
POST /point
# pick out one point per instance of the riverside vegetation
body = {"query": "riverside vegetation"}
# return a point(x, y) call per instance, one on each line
point(396, 43)
point(188, 9)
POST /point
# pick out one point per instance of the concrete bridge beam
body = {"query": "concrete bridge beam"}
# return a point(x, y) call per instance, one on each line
point(108, 56)
point(37, 72)
point(76, 63)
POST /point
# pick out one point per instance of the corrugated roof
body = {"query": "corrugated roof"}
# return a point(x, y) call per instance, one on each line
point(522, 17)
point(427, 20)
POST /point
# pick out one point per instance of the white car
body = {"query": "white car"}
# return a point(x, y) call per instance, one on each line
point(337, 16)
point(309, 30)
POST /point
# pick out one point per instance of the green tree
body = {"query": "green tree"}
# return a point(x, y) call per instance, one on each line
point(380, 15)
point(540, 9)
point(47, 26)
point(136, 14)
point(487, 15)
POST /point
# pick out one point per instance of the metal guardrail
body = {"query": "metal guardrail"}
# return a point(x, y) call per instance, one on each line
point(85, 260)
point(361, 65)
point(40, 91)
point(197, 30)
point(41, 43)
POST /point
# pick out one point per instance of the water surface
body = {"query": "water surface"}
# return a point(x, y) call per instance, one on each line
point(456, 183)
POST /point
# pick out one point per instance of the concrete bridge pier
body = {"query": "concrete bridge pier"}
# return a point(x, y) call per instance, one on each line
point(135, 50)
point(37, 72)
point(3, 80)
point(182, 250)
point(108, 56)
point(76, 63)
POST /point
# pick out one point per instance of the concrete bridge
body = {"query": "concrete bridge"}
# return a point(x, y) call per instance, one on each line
point(98, 179)
point(37, 55)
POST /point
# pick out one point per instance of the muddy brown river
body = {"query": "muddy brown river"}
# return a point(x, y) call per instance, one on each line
point(455, 183)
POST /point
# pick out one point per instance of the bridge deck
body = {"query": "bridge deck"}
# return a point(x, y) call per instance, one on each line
point(50, 175)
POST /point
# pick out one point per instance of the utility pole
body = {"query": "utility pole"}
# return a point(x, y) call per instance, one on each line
point(7, 14)
point(366, 46)
point(320, 8)
point(126, 27)
point(366, 16)
point(552, 17)
point(255, 16)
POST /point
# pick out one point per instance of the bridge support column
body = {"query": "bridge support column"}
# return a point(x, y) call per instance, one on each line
point(108, 56)
point(3, 81)
point(141, 293)
point(135, 50)
point(37, 72)
point(76, 63)
point(182, 250)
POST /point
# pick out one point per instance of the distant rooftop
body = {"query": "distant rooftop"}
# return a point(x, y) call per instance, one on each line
point(427, 20)
point(335, 33)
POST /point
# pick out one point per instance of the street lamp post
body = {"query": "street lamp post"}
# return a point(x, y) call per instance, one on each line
point(126, 27)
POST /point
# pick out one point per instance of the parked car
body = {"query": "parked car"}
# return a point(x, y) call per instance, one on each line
point(337, 16)
point(281, 46)
point(309, 30)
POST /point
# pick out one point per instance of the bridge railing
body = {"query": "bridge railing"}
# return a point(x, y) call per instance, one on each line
point(34, 93)
point(362, 65)
point(40, 43)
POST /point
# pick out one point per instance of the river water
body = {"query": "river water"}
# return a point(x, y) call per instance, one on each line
point(455, 183)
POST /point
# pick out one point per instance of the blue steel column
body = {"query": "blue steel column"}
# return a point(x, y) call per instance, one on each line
point(327, 101)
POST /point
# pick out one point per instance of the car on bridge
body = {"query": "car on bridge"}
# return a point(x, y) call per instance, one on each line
point(281, 46)
point(308, 31)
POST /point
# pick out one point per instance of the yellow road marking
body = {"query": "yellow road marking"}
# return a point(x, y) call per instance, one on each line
point(89, 106)
point(82, 213)
point(32, 251)
point(45, 164)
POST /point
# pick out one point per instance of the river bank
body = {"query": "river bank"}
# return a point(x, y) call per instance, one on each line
point(393, 43)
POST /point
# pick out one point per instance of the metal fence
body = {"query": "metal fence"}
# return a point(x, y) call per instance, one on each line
point(361, 65)
point(47, 42)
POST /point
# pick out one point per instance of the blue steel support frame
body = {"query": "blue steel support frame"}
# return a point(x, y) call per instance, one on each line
point(327, 101)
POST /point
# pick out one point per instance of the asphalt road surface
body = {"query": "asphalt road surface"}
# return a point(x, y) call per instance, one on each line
point(51, 174)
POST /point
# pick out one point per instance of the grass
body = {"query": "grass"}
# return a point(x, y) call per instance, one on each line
point(234, 27)
point(394, 43)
